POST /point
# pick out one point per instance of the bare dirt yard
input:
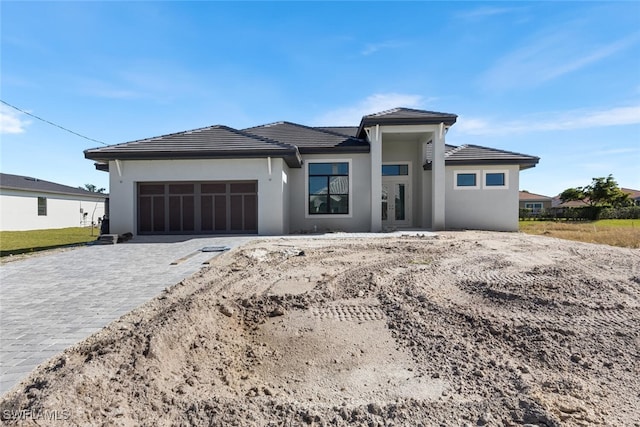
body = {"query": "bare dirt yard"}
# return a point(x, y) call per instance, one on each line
point(468, 328)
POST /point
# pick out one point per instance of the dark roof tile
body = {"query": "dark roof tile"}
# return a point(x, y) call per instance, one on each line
point(477, 155)
point(210, 142)
point(310, 140)
point(19, 182)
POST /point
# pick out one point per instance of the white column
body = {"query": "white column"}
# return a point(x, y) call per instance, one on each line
point(438, 181)
point(375, 139)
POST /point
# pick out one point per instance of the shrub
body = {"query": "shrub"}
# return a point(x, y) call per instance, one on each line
point(630, 212)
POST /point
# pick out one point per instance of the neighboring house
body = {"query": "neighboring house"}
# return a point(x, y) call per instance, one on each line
point(32, 204)
point(633, 195)
point(557, 201)
point(392, 171)
point(535, 203)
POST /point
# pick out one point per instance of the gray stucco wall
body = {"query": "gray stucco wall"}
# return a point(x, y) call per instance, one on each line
point(271, 192)
point(482, 208)
point(359, 218)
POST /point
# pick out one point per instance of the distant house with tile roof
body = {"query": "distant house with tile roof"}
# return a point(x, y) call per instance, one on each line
point(28, 203)
point(534, 203)
point(633, 195)
point(392, 171)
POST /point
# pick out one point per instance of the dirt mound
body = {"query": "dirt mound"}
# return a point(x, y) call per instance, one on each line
point(466, 329)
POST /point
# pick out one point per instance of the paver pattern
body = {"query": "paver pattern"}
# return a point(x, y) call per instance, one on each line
point(49, 302)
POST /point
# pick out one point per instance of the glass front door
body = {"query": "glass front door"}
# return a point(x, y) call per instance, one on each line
point(396, 202)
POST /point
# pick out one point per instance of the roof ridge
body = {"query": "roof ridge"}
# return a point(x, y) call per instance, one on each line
point(380, 113)
point(243, 132)
point(315, 129)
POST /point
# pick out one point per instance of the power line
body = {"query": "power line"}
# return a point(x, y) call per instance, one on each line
point(51, 123)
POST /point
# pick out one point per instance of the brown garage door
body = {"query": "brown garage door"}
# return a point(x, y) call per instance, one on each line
point(198, 207)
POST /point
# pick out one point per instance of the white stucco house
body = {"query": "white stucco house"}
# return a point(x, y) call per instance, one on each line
point(393, 171)
point(28, 203)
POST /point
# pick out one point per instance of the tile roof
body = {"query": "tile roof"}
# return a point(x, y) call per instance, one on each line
point(525, 196)
point(477, 155)
point(26, 183)
point(289, 140)
point(310, 140)
point(209, 142)
point(633, 194)
point(406, 116)
point(344, 130)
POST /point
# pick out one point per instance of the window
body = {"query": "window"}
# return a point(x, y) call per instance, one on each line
point(494, 179)
point(328, 188)
point(466, 180)
point(395, 170)
point(42, 206)
point(536, 206)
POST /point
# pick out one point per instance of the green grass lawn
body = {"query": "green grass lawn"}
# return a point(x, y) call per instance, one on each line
point(18, 242)
point(614, 232)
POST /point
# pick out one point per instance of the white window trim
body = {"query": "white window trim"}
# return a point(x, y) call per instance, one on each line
point(466, 172)
point(495, 187)
point(530, 205)
point(306, 188)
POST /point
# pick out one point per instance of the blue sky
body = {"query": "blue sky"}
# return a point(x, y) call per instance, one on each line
point(559, 80)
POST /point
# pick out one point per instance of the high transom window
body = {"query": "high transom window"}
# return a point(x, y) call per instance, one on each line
point(395, 170)
point(329, 188)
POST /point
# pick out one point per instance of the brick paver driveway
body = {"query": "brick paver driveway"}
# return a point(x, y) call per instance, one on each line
point(49, 302)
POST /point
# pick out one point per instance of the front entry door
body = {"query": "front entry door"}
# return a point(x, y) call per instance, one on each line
point(396, 202)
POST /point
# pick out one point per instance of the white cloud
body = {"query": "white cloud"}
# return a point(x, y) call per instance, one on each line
point(486, 11)
point(11, 121)
point(375, 47)
point(544, 122)
point(548, 56)
point(351, 115)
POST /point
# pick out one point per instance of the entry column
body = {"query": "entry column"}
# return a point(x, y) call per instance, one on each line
point(438, 181)
point(375, 140)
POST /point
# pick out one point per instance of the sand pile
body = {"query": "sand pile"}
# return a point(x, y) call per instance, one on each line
point(465, 329)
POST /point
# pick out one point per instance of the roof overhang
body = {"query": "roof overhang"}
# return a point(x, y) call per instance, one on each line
point(369, 121)
point(329, 150)
point(523, 164)
point(291, 157)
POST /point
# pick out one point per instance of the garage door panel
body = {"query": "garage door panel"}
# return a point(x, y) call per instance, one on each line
point(158, 214)
point(220, 210)
point(206, 212)
point(250, 213)
point(188, 213)
point(145, 215)
point(197, 207)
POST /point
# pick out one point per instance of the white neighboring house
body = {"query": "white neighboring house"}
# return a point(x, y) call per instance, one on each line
point(33, 204)
point(393, 171)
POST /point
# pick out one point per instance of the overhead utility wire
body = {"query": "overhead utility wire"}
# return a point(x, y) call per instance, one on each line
point(52, 124)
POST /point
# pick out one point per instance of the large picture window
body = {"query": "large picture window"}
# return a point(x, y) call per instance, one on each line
point(328, 188)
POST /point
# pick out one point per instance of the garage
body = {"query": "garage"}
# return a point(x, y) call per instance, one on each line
point(216, 207)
